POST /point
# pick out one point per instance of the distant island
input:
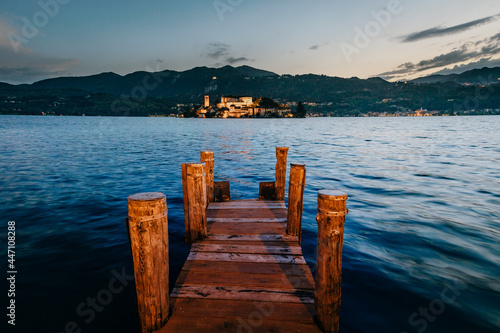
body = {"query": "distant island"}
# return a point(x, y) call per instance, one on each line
point(178, 94)
point(241, 107)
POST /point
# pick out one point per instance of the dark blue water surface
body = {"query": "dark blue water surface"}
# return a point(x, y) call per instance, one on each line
point(421, 244)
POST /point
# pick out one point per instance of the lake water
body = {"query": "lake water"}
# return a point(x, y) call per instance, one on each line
point(421, 243)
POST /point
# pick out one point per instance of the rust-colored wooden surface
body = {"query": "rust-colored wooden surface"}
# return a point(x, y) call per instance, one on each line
point(148, 231)
point(248, 275)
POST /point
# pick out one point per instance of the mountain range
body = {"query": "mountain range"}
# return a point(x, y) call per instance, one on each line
point(342, 95)
point(478, 76)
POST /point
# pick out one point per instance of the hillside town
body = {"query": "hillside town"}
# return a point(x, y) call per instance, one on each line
point(242, 107)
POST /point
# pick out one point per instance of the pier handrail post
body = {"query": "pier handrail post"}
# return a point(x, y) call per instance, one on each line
point(296, 185)
point(281, 154)
point(148, 231)
point(195, 202)
point(207, 157)
point(331, 218)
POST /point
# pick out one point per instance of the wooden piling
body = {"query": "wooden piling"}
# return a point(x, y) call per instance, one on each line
point(331, 217)
point(207, 157)
point(295, 199)
point(184, 196)
point(267, 190)
point(148, 231)
point(281, 154)
point(196, 198)
point(222, 191)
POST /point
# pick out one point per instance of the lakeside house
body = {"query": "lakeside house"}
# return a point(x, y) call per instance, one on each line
point(406, 113)
point(423, 113)
point(242, 106)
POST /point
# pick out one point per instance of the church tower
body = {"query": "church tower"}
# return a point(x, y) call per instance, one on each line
point(207, 101)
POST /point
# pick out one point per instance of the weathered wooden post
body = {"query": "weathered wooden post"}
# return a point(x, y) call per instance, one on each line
point(148, 231)
point(295, 199)
point(331, 217)
point(281, 153)
point(207, 157)
point(222, 191)
point(195, 198)
point(185, 199)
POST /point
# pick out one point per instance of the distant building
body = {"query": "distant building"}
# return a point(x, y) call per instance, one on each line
point(423, 113)
point(235, 102)
point(240, 106)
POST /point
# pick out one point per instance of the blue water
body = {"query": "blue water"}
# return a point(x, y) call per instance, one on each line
point(421, 244)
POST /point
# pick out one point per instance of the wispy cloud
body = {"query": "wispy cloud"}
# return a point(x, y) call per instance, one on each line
point(217, 50)
point(471, 52)
point(317, 46)
point(222, 53)
point(20, 64)
point(444, 31)
point(483, 62)
point(232, 60)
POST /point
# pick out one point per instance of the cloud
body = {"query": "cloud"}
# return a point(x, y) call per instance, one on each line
point(20, 64)
point(483, 50)
point(455, 56)
point(439, 31)
point(317, 46)
point(40, 70)
point(483, 62)
point(222, 53)
point(217, 50)
point(232, 60)
point(492, 45)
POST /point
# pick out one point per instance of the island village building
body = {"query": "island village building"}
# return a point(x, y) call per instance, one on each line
point(237, 107)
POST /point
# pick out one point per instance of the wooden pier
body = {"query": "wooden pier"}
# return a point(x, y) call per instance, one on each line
point(245, 271)
point(247, 274)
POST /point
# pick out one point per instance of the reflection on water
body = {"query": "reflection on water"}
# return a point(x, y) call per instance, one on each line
point(424, 198)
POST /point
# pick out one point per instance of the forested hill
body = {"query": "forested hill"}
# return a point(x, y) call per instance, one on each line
point(163, 91)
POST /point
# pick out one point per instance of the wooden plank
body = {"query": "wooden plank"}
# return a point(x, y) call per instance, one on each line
point(248, 210)
point(244, 257)
point(246, 267)
point(246, 228)
point(230, 325)
point(246, 242)
point(261, 212)
point(243, 293)
point(214, 308)
point(262, 237)
point(247, 219)
point(282, 281)
point(247, 276)
point(247, 201)
point(248, 206)
point(252, 249)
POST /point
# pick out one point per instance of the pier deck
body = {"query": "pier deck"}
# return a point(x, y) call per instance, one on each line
point(248, 275)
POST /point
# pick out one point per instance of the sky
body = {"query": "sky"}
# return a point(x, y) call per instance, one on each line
point(392, 39)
